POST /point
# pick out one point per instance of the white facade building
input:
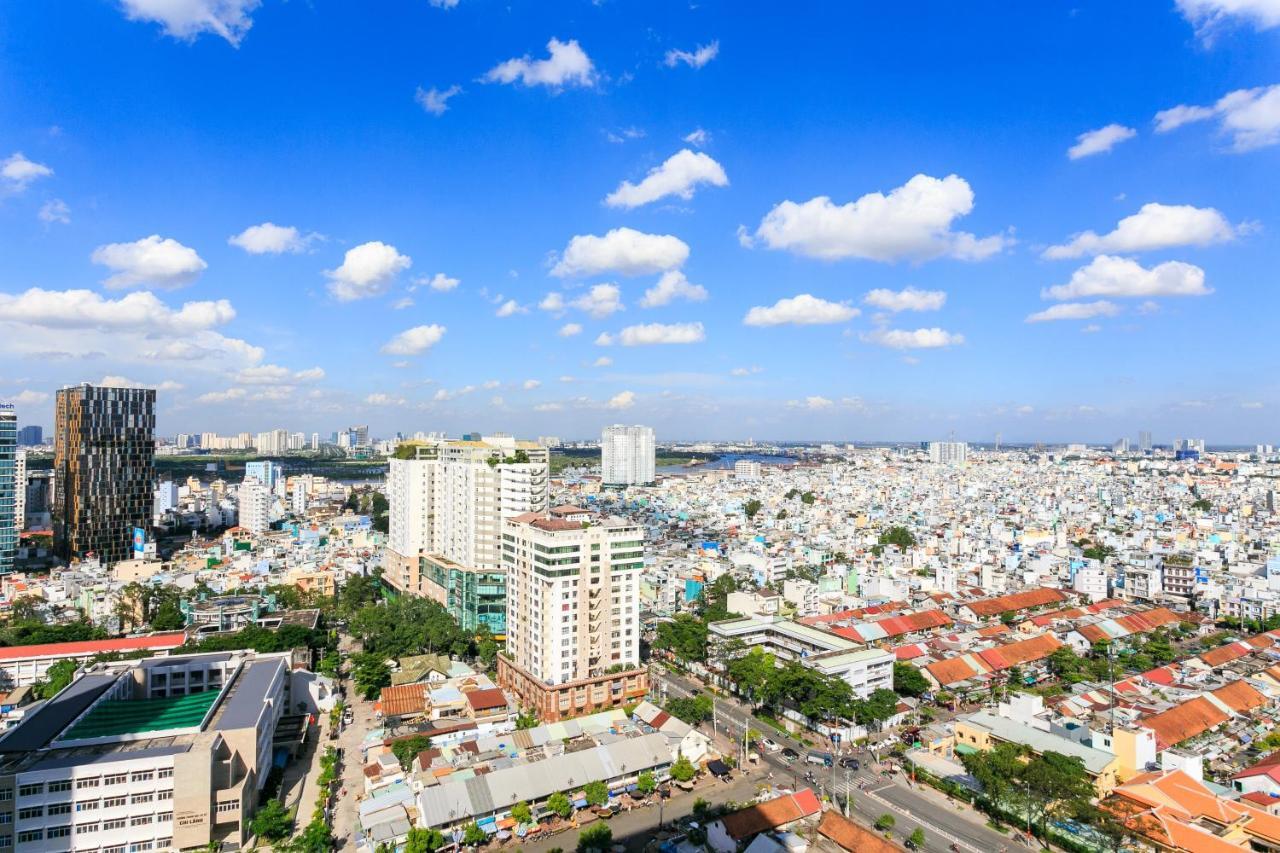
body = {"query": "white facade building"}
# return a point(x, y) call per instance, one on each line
point(626, 455)
point(746, 469)
point(948, 452)
point(255, 506)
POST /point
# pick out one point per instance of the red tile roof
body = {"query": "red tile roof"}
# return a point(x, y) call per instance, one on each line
point(1240, 696)
point(853, 836)
point(152, 642)
point(762, 817)
point(1023, 651)
point(402, 700)
point(1225, 654)
point(1181, 722)
point(1015, 601)
point(487, 700)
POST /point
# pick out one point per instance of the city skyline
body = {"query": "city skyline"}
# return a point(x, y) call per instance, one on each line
point(843, 225)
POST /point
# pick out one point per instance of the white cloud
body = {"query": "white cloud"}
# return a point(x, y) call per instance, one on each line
point(162, 262)
point(367, 270)
point(28, 397)
point(275, 374)
point(679, 176)
point(600, 301)
point(567, 65)
point(1075, 311)
point(813, 404)
point(621, 250)
point(1251, 117)
point(1154, 226)
point(439, 282)
point(907, 299)
point(1100, 141)
point(19, 172)
point(1107, 275)
point(548, 407)
point(530, 384)
point(380, 399)
point(444, 4)
point(510, 308)
point(622, 400)
point(490, 384)
point(435, 101)
point(443, 394)
point(912, 222)
point(271, 239)
point(918, 339)
point(414, 341)
point(553, 302)
point(660, 333)
point(746, 371)
point(226, 396)
point(135, 312)
point(402, 303)
point(802, 310)
point(602, 361)
point(1251, 404)
point(568, 330)
point(672, 286)
point(1090, 329)
point(604, 339)
point(694, 59)
point(568, 379)
point(55, 210)
point(124, 382)
point(698, 137)
point(1207, 16)
point(187, 19)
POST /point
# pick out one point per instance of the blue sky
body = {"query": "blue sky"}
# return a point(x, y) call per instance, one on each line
point(748, 156)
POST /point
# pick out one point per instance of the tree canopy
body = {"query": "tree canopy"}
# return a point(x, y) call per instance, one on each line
point(409, 626)
point(908, 680)
point(685, 637)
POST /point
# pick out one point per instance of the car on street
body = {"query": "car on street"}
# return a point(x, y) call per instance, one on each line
point(789, 753)
point(769, 744)
point(850, 763)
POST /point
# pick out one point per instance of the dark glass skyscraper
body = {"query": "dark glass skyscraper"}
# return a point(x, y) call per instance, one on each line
point(104, 459)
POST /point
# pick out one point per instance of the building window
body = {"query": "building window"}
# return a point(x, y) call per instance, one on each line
point(164, 817)
point(6, 795)
point(60, 808)
point(118, 823)
point(30, 835)
point(6, 841)
point(58, 832)
point(144, 776)
point(141, 820)
point(30, 790)
point(139, 846)
point(165, 773)
point(30, 813)
point(86, 828)
point(56, 787)
point(113, 802)
point(141, 798)
point(91, 782)
point(115, 779)
point(164, 795)
point(87, 805)
point(228, 805)
point(115, 848)
point(6, 817)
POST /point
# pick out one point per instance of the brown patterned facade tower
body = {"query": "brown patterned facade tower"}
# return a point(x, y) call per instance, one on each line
point(104, 462)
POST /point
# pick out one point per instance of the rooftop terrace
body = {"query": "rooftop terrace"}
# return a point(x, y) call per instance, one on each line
point(140, 716)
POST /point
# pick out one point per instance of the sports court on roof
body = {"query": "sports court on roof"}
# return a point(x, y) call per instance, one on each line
point(115, 718)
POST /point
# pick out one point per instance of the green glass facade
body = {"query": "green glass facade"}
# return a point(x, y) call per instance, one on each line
point(473, 597)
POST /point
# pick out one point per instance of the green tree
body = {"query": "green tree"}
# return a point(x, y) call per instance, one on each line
point(876, 708)
point(996, 770)
point(423, 841)
point(57, 677)
point(1202, 505)
point(715, 598)
point(597, 836)
point(897, 535)
point(272, 821)
point(751, 507)
point(1067, 665)
point(917, 838)
point(685, 637)
point(473, 835)
point(596, 792)
point(1056, 785)
point(885, 822)
point(908, 680)
point(690, 709)
point(370, 673)
point(559, 804)
point(751, 672)
point(407, 749)
point(526, 720)
point(807, 498)
point(521, 813)
point(683, 770)
point(646, 784)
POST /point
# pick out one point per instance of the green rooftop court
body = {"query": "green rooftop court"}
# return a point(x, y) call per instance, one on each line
point(139, 716)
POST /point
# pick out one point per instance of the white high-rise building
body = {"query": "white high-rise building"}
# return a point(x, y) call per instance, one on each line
point(747, 469)
point(255, 505)
point(626, 455)
point(20, 490)
point(948, 452)
point(445, 520)
point(315, 441)
point(301, 495)
point(166, 497)
point(573, 611)
point(273, 443)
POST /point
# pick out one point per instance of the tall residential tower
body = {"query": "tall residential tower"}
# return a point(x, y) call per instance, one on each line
point(104, 463)
point(626, 455)
point(10, 487)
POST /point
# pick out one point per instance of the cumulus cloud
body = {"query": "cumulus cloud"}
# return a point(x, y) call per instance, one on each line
point(187, 19)
point(271, 239)
point(55, 210)
point(1251, 117)
point(672, 286)
point(813, 404)
point(275, 374)
point(157, 261)
point(622, 400)
point(566, 65)
point(907, 299)
point(934, 338)
point(380, 399)
point(648, 334)
point(548, 407)
point(698, 137)
point(622, 250)
point(414, 341)
point(802, 310)
point(696, 58)
point(1154, 226)
point(1075, 311)
point(530, 384)
point(602, 361)
point(553, 302)
point(1107, 275)
point(28, 397)
point(367, 270)
point(435, 101)
point(439, 282)
point(568, 330)
point(746, 371)
point(510, 308)
point(18, 172)
point(402, 303)
point(678, 176)
point(913, 222)
point(1208, 16)
point(600, 301)
point(125, 382)
point(1100, 141)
